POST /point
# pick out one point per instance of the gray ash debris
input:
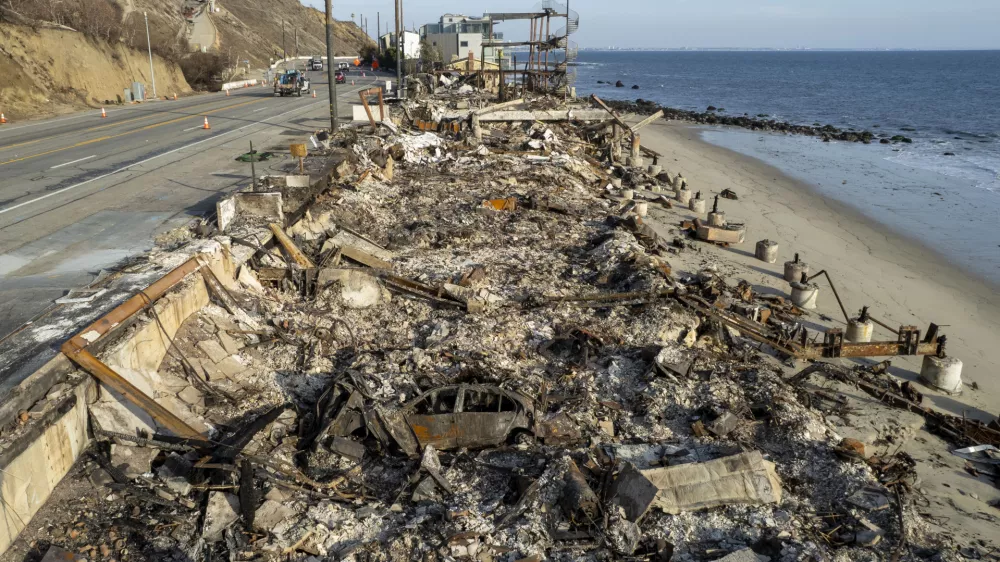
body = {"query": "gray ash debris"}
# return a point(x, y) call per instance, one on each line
point(478, 350)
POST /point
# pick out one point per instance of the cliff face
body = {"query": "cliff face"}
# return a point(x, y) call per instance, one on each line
point(48, 71)
point(246, 29)
point(48, 67)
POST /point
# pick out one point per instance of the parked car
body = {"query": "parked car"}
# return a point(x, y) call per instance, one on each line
point(340, 77)
point(448, 417)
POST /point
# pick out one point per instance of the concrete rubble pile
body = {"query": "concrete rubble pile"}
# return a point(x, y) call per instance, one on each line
point(473, 349)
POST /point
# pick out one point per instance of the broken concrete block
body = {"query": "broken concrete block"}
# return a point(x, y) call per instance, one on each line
point(222, 511)
point(739, 479)
point(230, 368)
point(345, 238)
point(229, 343)
point(133, 461)
point(270, 514)
point(213, 350)
point(276, 494)
point(192, 396)
point(248, 279)
point(723, 425)
point(357, 288)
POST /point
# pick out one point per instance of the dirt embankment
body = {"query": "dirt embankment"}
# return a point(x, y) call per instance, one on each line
point(53, 71)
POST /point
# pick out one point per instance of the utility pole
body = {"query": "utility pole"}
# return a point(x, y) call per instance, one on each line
point(296, 42)
point(378, 31)
point(399, 61)
point(402, 50)
point(149, 46)
point(329, 69)
point(284, 51)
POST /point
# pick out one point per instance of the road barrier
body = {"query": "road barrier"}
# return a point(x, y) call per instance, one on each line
point(239, 84)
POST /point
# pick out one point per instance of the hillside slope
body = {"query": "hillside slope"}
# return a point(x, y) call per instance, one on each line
point(51, 71)
point(249, 29)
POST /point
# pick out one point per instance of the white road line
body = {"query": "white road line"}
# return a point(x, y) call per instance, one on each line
point(73, 162)
point(119, 170)
point(261, 109)
point(193, 128)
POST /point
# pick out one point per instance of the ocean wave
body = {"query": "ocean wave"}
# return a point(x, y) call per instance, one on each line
point(981, 167)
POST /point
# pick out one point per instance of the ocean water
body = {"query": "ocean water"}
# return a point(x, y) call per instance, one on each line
point(947, 102)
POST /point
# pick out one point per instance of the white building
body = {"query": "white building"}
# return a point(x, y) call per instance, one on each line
point(456, 35)
point(411, 44)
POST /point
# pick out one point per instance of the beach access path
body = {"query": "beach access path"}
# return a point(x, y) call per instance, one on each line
point(902, 281)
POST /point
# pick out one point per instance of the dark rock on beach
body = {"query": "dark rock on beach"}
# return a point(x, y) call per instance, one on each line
point(711, 116)
point(635, 86)
point(619, 84)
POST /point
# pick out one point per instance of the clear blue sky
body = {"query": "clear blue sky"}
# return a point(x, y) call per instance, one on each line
point(920, 24)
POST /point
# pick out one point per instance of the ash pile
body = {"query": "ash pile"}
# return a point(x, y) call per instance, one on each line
point(470, 347)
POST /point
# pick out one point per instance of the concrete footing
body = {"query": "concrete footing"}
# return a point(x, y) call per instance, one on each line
point(804, 295)
point(858, 331)
point(942, 373)
point(654, 169)
point(684, 197)
point(698, 206)
point(642, 209)
point(717, 219)
point(628, 194)
point(767, 251)
point(795, 269)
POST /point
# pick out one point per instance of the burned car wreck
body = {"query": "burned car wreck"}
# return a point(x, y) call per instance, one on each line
point(456, 416)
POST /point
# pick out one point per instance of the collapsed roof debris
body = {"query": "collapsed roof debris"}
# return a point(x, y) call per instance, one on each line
point(471, 346)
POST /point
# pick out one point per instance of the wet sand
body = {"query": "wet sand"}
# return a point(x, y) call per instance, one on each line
point(902, 281)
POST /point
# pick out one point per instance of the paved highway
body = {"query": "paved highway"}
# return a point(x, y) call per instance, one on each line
point(82, 193)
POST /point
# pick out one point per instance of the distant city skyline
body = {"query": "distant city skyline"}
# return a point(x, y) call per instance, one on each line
point(777, 24)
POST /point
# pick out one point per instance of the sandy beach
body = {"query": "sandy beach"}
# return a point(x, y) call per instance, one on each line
point(902, 281)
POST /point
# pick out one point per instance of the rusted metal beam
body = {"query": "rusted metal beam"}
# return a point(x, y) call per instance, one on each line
point(125, 310)
point(108, 376)
point(290, 247)
point(872, 349)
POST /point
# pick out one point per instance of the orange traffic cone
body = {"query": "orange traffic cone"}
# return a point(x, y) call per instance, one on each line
point(3, 118)
point(314, 93)
point(206, 124)
point(175, 97)
point(104, 114)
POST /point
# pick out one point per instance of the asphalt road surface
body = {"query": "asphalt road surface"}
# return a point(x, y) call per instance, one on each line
point(81, 193)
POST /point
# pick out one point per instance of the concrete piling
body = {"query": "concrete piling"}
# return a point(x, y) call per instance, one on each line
point(698, 205)
point(942, 373)
point(767, 251)
point(795, 269)
point(804, 295)
point(642, 209)
point(684, 197)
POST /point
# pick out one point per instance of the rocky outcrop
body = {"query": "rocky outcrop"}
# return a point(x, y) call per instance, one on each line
point(760, 123)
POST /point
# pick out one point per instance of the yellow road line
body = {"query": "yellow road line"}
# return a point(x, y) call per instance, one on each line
point(101, 127)
point(146, 128)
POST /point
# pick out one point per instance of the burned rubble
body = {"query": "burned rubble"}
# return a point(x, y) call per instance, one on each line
point(470, 349)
